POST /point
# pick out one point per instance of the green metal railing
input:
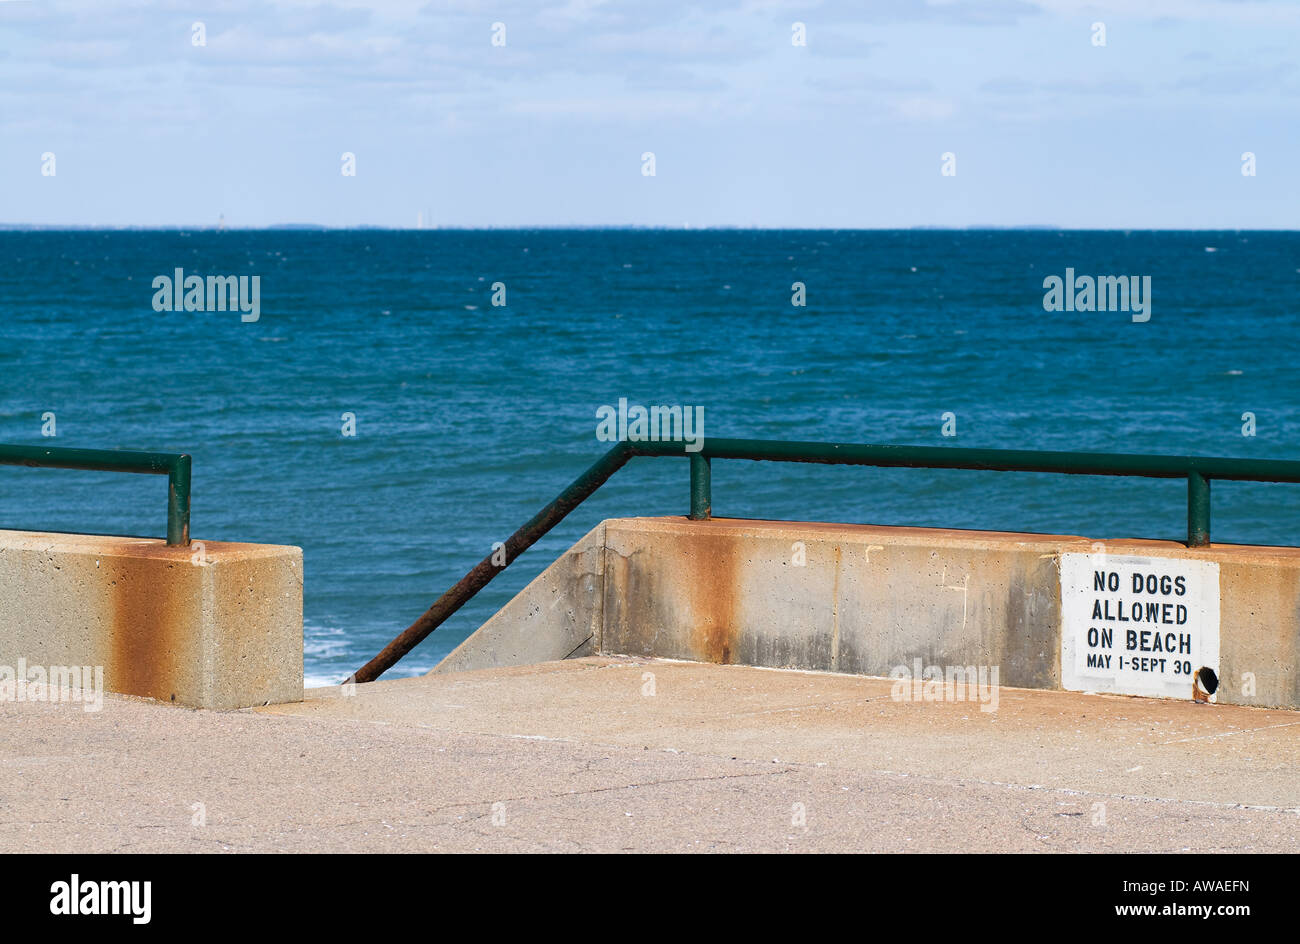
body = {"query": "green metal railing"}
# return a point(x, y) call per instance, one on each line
point(176, 466)
point(1197, 471)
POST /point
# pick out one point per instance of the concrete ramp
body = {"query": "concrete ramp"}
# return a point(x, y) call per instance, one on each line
point(557, 616)
point(920, 605)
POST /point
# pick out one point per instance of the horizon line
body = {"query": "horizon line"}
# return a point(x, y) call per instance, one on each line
point(571, 227)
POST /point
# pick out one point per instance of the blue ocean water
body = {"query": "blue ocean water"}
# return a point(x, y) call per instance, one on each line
point(470, 417)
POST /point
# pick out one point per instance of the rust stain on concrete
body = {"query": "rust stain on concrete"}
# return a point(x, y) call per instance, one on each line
point(151, 622)
point(712, 563)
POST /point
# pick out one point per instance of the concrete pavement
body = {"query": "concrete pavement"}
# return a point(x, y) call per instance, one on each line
point(617, 754)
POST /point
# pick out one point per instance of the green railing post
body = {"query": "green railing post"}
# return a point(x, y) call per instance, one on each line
point(178, 502)
point(176, 466)
point(701, 487)
point(1198, 509)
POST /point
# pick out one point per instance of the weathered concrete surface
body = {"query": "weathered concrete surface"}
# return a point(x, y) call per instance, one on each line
point(574, 756)
point(557, 616)
point(225, 633)
point(866, 599)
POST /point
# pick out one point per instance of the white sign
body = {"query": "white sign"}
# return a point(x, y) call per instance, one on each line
point(1137, 625)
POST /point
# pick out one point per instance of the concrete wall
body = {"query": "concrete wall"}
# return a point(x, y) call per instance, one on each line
point(865, 600)
point(226, 633)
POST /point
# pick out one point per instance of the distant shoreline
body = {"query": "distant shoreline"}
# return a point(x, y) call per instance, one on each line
point(321, 228)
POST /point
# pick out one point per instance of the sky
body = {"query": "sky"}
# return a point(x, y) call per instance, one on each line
point(549, 125)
